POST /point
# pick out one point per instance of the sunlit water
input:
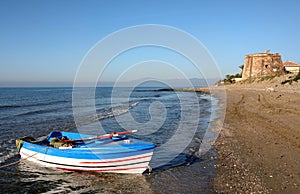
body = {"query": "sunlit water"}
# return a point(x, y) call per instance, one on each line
point(37, 111)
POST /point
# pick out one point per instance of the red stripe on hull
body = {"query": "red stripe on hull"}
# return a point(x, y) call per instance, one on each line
point(104, 170)
point(114, 161)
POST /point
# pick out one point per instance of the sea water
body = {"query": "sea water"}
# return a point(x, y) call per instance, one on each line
point(37, 111)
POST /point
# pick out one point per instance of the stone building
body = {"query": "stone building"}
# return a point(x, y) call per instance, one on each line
point(291, 67)
point(262, 64)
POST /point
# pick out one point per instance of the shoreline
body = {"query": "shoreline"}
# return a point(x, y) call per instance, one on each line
point(259, 143)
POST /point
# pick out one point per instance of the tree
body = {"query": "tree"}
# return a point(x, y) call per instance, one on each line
point(241, 67)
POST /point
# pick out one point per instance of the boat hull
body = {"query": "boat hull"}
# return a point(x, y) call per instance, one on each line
point(124, 156)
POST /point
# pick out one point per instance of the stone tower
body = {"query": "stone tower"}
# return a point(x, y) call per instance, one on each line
point(262, 64)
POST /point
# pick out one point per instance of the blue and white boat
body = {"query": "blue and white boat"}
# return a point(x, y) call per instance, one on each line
point(114, 153)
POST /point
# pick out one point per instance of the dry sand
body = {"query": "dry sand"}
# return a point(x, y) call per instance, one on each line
point(259, 145)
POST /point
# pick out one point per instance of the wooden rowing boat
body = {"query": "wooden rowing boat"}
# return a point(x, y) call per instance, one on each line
point(81, 152)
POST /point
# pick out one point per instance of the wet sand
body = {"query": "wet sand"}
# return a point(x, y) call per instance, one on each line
point(259, 144)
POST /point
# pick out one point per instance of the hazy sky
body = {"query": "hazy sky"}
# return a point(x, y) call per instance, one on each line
point(46, 40)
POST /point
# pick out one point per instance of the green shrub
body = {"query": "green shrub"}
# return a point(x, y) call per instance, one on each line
point(291, 80)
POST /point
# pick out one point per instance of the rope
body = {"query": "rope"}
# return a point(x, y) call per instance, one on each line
point(22, 159)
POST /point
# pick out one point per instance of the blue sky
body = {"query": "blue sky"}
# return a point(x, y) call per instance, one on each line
point(45, 41)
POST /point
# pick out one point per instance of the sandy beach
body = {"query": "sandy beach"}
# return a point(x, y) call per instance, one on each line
point(259, 145)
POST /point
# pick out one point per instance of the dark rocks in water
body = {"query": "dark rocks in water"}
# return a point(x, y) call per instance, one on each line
point(165, 90)
point(203, 90)
point(158, 90)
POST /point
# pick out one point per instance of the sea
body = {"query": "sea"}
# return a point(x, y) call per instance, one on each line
point(157, 114)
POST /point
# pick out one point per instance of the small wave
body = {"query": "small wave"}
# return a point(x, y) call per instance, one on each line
point(33, 105)
point(133, 104)
point(10, 106)
point(7, 150)
point(9, 155)
point(38, 112)
point(106, 113)
point(47, 103)
point(34, 112)
point(116, 111)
